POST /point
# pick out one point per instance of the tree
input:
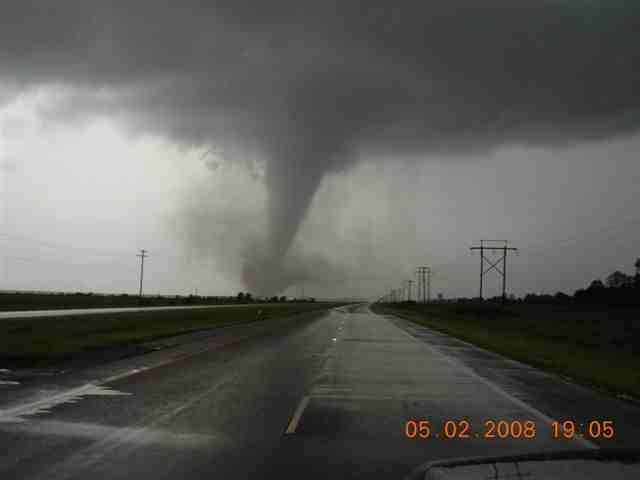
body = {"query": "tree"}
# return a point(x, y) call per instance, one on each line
point(561, 297)
point(618, 279)
point(240, 296)
point(596, 284)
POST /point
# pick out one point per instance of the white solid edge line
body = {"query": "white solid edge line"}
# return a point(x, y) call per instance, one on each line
point(493, 386)
point(17, 409)
point(48, 402)
point(293, 424)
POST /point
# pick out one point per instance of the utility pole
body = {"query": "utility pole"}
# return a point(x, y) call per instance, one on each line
point(422, 272)
point(494, 246)
point(409, 283)
point(142, 255)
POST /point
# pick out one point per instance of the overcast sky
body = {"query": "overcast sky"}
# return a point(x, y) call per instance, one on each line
point(252, 145)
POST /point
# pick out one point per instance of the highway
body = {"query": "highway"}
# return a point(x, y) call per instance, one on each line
point(63, 312)
point(324, 397)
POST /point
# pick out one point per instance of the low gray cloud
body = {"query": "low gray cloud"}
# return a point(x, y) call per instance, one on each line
point(305, 84)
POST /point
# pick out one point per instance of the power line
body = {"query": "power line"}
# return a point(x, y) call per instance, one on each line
point(423, 271)
point(60, 246)
point(409, 284)
point(492, 246)
point(90, 251)
point(613, 229)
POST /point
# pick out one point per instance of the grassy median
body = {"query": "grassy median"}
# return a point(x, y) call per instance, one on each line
point(593, 345)
point(44, 341)
point(14, 301)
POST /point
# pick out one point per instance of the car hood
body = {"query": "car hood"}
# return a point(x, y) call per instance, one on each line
point(607, 464)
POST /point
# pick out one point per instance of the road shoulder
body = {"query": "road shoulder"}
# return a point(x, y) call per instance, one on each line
point(555, 396)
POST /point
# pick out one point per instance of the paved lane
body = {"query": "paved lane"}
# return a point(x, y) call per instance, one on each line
point(327, 399)
point(63, 312)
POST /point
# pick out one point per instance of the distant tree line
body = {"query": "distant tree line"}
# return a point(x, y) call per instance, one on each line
point(15, 300)
point(282, 299)
point(618, 289)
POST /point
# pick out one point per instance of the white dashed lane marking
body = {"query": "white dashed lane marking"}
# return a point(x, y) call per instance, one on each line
point(293, 424)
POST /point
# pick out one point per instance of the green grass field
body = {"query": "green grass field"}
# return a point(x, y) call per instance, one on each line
point(48, 340)
point(10, 301)
point(595, 346)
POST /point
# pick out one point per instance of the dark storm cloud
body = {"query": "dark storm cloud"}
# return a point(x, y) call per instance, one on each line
point(305, 83)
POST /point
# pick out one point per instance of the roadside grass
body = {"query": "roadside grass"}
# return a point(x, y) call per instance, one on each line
point(14, 301)
point(37, 342)
point(594, 346)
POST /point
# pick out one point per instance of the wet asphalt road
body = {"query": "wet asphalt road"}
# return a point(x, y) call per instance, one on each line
point(327, 398)
point(65, 312)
